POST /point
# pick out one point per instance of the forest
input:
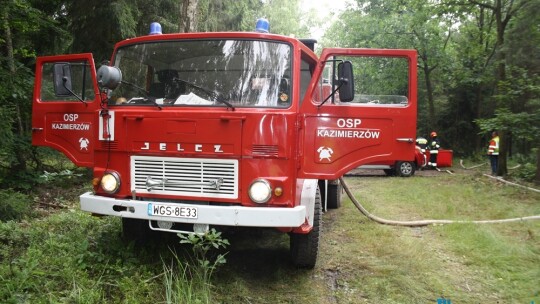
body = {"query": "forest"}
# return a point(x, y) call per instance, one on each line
point(478, 61)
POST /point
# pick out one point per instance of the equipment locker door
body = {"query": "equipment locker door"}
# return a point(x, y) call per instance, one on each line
point(65, 106)
point(379, 124)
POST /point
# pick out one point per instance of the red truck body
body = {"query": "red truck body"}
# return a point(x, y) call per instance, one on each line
point(255, 139)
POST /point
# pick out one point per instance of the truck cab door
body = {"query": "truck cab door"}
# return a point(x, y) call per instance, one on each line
point(373, 121)
point(65, 106)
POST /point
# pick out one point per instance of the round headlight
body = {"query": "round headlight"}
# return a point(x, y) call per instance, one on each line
point(110, 182)
point(260, 191)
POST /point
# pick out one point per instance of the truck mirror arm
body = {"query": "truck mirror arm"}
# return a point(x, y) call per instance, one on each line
point(64, 80)
point(341, 82)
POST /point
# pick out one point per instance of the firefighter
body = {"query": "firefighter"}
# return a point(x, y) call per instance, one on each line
point(433, 147)
point(422, 143)
point(493, 152)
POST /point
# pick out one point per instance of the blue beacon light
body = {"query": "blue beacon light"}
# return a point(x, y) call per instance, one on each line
point(262, 26)
point(155, 29)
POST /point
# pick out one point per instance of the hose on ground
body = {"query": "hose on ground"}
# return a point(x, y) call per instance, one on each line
point(500, 179)
point(422, 223)
point(476, 166)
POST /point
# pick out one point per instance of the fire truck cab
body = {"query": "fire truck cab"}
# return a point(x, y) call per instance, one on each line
point(186, 131)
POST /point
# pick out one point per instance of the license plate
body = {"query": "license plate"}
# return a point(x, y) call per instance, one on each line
point(172, 211)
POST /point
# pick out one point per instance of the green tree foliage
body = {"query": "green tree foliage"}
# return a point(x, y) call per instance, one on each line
point(475, 57)
point(500, 15)
point(19, 22)
point(401, 24)
point(110, 22)
point(227, 15)
point(471, 75)
point(285, 18)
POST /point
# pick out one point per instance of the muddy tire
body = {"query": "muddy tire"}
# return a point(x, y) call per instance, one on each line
point(334, 196)
point(305, 247)
point(405, 168)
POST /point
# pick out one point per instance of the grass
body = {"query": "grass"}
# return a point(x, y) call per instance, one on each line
point(464, 262)
point(70, 256)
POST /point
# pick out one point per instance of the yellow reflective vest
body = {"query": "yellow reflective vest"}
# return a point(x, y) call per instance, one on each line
point(493, 148)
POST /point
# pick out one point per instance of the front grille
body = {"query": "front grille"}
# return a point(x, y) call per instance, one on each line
point(185, 176)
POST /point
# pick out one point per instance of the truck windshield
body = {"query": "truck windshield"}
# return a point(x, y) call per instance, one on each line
point(241, 73)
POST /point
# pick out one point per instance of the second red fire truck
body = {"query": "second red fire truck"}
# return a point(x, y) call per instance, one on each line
point(192, 130)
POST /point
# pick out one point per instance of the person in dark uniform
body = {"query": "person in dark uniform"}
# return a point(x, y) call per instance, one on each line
point(433, 146)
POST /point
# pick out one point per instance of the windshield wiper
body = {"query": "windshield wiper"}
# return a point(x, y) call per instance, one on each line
point(146, 97)
point(144, 100)
point(136, 87)
point(215, 95)
point(220, 98)
point(154, 102)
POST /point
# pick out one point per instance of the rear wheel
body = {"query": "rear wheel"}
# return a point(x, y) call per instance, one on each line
point(405, 168)
point(305, 247)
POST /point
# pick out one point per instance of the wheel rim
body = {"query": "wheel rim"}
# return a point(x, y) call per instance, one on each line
point(406, 168)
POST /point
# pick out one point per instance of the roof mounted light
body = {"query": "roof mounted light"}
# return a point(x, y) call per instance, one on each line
point(155, 29)
point(262, 26)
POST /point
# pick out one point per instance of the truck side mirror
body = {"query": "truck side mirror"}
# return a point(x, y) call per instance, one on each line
point(346, 81)
point(62, 79)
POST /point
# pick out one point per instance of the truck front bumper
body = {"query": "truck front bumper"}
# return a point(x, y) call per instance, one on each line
point(207, 214)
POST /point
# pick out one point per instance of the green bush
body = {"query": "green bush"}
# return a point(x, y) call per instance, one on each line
point(14, 205)
point(527, 169)
point(526, 172)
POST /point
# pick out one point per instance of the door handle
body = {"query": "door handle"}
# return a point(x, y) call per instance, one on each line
point(232, 117)
point(37, 129)
point(408, 140)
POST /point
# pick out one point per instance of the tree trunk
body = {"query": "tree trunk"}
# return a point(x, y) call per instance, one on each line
point(9, 40)
point(478, 99)
point(188, 16)
point(20, 165)
point(431, 102)
point(504, 143)
point(537, 176)
point(502, 169)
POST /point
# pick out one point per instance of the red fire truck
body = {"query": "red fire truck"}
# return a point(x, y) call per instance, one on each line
point(247, 129)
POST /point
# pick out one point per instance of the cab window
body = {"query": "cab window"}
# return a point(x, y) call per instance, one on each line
point(378, 81)
point(79, 86)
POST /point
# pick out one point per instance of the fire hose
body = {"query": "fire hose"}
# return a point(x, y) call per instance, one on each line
point(421, 223)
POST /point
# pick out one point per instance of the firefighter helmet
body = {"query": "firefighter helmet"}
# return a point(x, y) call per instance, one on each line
point(433, 134)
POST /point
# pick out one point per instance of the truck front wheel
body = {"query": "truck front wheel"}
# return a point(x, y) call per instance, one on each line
point(136, 230)
point(334, 195)
point(305, 247)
